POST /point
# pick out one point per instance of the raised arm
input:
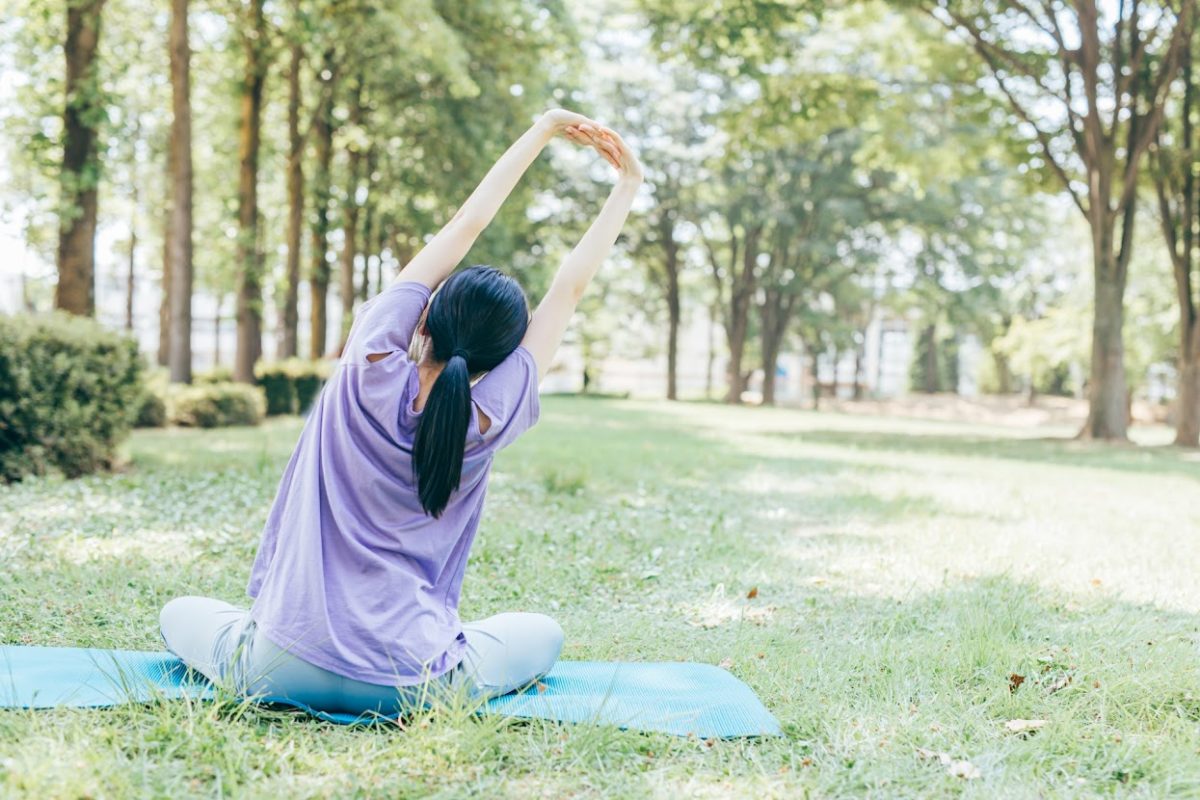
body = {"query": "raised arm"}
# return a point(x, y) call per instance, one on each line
point(550, 320)
point(437, 259)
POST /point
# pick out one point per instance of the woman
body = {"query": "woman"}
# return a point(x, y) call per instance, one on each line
point(356, 583)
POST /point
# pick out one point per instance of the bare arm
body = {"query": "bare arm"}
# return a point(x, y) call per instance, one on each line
point(553, 314)
point(437, 259)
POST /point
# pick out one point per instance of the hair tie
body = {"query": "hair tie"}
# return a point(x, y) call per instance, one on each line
point(460, 352)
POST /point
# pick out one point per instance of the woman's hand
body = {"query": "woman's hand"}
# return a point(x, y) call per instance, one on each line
point(558, 119)
point(610, 145)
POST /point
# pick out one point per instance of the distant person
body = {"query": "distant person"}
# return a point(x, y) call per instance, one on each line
point(357, 579)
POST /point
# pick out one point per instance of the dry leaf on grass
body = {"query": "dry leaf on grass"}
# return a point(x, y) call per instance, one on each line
point(1024, 725)
point(1061, 683)
point(726, 663)
point(753, 593)
point(958, 768)
point(1015, 681)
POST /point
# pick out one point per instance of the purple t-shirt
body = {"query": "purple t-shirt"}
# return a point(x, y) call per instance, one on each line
point(352, 575)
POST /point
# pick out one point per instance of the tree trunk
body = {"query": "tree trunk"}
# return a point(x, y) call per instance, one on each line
point(932, 379)
point(179, 246)
point(776, 313)
point(217, 332)
point(249, 300)
point(674, 318)
point(319, 282)
point(815, 372)
point(860, 356)
point(295, 196)
point(1108, 400)
point(76, 290)
point(164, 303)
point(350, 218)
point(1187, 427)
point(712, 352)
point(132, 265)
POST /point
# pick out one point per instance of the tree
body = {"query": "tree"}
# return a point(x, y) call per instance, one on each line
point(287, 346)
point(82, 115)
point(1107, 72)
point(1175, 164)
point(253, 33)
point(179, 227)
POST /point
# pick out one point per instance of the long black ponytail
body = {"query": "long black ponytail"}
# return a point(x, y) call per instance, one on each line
point(476, 319)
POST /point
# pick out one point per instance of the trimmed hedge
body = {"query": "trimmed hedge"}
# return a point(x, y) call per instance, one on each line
point(68, 389)
point(215, 405)
point(291, 385)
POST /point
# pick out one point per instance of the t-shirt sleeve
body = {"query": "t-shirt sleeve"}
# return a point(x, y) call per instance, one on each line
point(387, 321)
point(508, 395)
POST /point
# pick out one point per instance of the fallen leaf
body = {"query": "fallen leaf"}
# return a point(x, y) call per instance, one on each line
point(1015, 681)
point(1063, 682)
point(1024, 725)
point(1096, 581)
point(959, 768)
point(965, 770)
point(541, 687)
point(726, 663)
point(753, 593)
point(806, 762)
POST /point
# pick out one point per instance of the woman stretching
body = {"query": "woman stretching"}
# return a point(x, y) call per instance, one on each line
point(357, 579)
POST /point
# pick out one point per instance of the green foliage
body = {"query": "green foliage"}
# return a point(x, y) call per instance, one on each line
point(214, 375)
point(278, 387)
point(291, 385)
point(216, 405)
point(66, 389)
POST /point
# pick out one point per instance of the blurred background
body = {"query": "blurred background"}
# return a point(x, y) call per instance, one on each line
point(969, 210)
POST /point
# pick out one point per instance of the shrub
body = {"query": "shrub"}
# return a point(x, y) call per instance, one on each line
point(278, 386)
point(214, 375)
point(151, 410)
point(308, 377)
point(291, 385)
point(215, 405)
point(67, 388)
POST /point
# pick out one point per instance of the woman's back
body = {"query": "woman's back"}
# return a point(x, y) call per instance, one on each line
point(353, 575)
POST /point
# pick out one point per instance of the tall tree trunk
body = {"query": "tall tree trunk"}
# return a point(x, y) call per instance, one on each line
point(164, 303)
point(931, 380)
point(815, 373)
point(1108, 395)
point(323, 139)
point(131, 267)
point(1187, 426)
point(217, 332)
point(76, 290)
point(674, 309)
point(775, 316)
point(369, 252)
point(295, 195)
point(179, 246)
point(249, 299)
point(350, 218)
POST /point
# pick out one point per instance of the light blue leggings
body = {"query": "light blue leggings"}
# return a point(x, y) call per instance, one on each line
point(504, 652)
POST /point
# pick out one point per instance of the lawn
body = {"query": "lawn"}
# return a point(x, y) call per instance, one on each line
point(902, 574)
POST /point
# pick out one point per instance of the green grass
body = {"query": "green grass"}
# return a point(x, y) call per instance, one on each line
point(904, 571)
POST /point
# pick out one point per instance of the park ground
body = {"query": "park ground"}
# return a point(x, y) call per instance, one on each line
point(896, 591)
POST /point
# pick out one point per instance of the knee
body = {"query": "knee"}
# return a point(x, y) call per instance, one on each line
point(549, 641)
point(172, 616)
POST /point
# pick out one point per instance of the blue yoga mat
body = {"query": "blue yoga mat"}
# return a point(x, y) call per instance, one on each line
point(672, 697)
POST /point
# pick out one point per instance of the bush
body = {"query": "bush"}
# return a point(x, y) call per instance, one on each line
point(291, 385)
point(67, 387)
point(216, 405)
point(277, 385)
point(151, 410)
point(214, 375)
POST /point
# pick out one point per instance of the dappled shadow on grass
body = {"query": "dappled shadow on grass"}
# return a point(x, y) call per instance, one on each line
point(1062, 452)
